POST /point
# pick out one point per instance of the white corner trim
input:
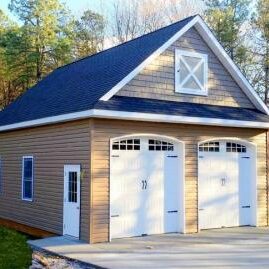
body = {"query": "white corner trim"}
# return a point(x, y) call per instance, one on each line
point(135, 116)
point(155, 54)
point(216, 47)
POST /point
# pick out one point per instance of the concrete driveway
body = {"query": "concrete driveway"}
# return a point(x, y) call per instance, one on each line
point(245, 247)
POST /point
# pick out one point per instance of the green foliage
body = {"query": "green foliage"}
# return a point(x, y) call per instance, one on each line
point(14, 251)
point(13, 71)
point(260, 24)
point(44, 23)
point(227, 17)
point(89, 34)
point(48, 37)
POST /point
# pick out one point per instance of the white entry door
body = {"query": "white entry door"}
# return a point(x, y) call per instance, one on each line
point(145, 191)
point(225, 185)
point(71, 214)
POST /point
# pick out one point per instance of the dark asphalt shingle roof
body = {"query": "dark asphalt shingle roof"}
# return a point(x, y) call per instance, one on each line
point(132, 104)
point(78, 86)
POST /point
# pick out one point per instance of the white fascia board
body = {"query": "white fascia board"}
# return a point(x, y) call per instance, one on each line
point(155, 54)
point(231, 67)
point(48, 120)
point(138, 116)
point(135, 116)
point(216, 47)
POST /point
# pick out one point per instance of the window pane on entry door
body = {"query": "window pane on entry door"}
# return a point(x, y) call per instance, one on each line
point(72, 187)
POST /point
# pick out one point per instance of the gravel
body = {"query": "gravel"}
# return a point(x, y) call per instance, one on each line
point(43, 260)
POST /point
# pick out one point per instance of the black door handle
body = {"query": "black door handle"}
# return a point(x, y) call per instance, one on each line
point(144, 184)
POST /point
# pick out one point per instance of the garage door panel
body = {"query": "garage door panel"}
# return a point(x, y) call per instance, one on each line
point(225, 185)
point(124, 186)
point(145, 188)
point(172, 190)
point(245, 188)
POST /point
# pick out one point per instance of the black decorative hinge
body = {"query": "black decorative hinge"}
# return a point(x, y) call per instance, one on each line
point(172, 211)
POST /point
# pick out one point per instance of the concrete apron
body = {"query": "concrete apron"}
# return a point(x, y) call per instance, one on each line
point(244, 247)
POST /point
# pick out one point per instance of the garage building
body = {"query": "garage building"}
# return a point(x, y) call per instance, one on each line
point(161, 134)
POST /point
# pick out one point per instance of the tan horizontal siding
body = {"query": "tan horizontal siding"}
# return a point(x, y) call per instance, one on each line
point(156, 80)
point(52, 147)
point(104, 130)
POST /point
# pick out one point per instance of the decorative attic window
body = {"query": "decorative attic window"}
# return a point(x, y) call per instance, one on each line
point(190, 73)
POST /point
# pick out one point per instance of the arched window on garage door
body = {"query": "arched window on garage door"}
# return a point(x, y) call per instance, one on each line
point(160, 145)
point(235, 147)
point(221, 146)
point(209, 147)
point(126, 144)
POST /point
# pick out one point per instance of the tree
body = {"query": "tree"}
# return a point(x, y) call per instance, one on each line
point(89, 34)
point(14, 69)
point(132, 18)
point(260, 22)
point(227, 18)
point(45, 23)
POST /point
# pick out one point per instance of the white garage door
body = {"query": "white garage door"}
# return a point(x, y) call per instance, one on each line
point(227, 185)
point(145, 190)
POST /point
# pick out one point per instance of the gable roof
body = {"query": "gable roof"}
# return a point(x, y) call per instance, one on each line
point(215, 46)
point(76, 88)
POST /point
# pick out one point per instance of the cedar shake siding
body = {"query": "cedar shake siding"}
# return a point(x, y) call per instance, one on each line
point(157, 80)
point(52, 147)
point(104, 130)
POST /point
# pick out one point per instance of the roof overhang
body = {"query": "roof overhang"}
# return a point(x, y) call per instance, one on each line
point(215, 46)
point(135, 116)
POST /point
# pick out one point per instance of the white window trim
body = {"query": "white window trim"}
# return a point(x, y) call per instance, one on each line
point(22, 177)
point(178, 89)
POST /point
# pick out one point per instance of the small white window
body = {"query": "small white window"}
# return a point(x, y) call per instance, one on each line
point(27, 178)
point(191, 73)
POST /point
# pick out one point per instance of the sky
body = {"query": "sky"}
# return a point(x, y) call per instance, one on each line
point(76, 6)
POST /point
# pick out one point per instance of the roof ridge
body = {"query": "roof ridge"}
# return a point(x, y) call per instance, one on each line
point(128, 41)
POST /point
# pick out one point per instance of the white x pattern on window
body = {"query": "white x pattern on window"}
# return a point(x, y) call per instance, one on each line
point(191, 72)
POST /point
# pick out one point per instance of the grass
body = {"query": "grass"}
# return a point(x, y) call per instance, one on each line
point(14, 251)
